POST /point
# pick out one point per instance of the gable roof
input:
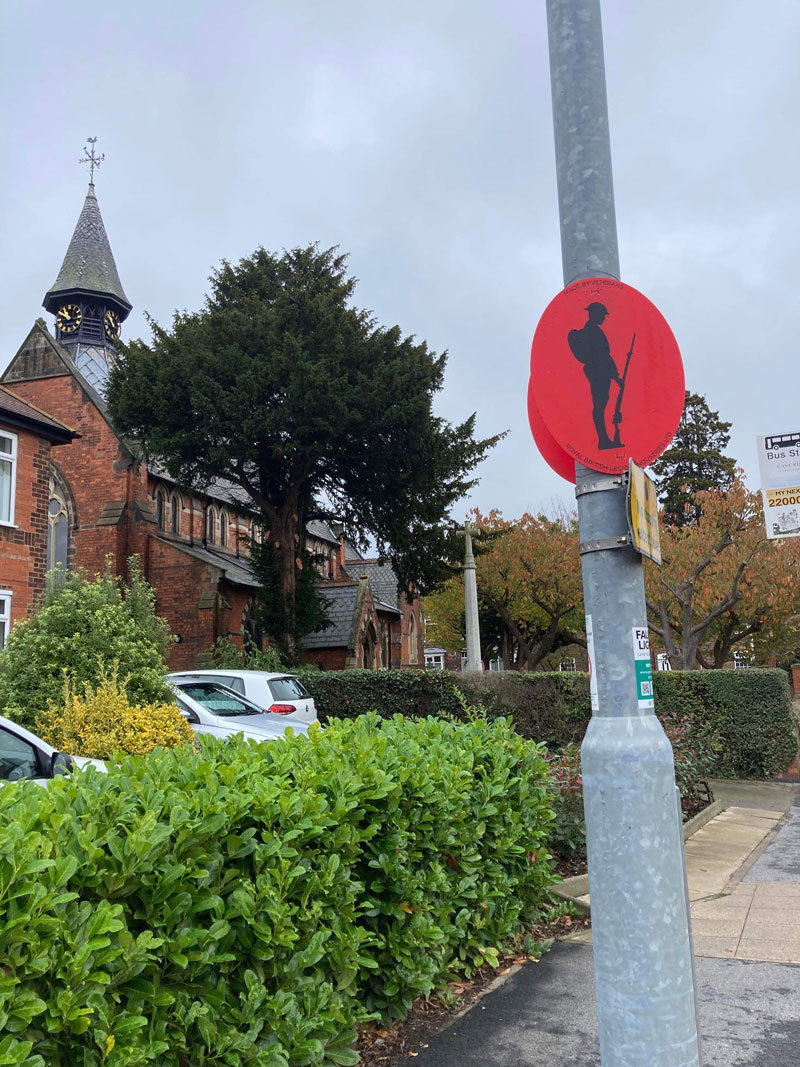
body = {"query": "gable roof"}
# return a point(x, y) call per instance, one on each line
point(382, 579)
point(14, 411)
point(89, 265)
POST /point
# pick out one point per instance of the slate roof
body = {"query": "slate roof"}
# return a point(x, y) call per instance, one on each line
point(220, 489)
point(16, 412)
point(236, 569)
point(382, 579)
point(89, 263)
point(319, 529)
point(340, 605)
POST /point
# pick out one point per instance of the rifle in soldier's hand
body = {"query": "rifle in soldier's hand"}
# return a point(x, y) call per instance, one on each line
point(618, 409)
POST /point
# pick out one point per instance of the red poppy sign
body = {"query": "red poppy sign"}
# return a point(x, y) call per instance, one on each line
point(606, 381)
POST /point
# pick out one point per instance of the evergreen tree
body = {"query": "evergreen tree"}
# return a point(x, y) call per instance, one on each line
point(284, 388)
point(694, 462)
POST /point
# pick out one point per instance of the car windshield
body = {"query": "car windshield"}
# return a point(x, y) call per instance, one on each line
point(219, 700)
point(287, 688)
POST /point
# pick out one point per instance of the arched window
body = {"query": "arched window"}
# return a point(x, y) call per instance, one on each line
point(161, 507)
point(211, 524)
point(60, 522)
point(413, 643)
point(369, 644)
point(223, 528)
point(251, 628)
point(175, 508)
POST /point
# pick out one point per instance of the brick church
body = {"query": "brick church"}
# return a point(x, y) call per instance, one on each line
point(74, 494)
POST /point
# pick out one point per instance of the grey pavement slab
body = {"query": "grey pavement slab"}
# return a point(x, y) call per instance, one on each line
point(773, 796)
point(544, 1016)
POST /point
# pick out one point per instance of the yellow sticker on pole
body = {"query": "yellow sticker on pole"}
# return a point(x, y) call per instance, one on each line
point(643, 513)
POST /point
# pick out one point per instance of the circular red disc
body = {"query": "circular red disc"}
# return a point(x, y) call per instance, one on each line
point(606, 377)
point(552, 452)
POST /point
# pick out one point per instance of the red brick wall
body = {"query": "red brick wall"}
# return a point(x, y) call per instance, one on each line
point(23, 548)
point(329, 659)
point(180, 582)
point(96, 471)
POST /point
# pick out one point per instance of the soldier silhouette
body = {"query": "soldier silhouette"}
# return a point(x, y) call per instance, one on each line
point(590, 347)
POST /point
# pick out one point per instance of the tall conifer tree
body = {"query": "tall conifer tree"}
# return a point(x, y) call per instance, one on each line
point(286, 389)
point(694, 462)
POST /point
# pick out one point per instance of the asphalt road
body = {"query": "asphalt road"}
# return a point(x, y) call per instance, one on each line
point(544, 1016)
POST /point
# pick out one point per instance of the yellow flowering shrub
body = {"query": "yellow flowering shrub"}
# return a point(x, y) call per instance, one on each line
point(101, 721)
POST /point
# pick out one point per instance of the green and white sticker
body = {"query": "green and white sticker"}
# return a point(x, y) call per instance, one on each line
point(643, 667)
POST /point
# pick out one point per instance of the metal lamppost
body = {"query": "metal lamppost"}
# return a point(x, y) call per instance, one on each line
point(644, 968)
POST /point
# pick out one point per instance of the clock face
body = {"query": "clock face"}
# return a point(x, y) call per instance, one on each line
point(111, 324)
point(68, 318)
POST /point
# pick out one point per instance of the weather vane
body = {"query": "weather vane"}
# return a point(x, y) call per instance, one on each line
point(91, 158)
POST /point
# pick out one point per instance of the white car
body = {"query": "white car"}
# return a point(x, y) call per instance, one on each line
point(211, 708)
point(24, 756)
point(279, 694)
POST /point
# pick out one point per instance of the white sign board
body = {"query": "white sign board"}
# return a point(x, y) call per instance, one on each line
point(779, 464)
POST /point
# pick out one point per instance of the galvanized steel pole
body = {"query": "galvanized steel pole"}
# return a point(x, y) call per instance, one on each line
point(644, 970)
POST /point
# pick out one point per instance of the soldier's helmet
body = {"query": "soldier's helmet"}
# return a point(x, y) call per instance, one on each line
point(596, 308)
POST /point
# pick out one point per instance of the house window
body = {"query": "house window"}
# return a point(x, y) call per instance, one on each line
point(5, 616)
point(8, 476)
point(568, 665)
point(175, 508)
point(434, 661)
point(741, 660)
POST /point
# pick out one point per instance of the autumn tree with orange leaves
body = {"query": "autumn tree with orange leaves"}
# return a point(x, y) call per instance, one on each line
point(529, 586)
point(722, 583)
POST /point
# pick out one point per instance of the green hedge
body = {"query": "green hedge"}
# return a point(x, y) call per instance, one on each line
point(251, 904)
point(750, 709)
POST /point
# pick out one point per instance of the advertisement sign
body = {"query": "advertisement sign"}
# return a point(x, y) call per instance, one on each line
point(606, 379)
point(779, 465)
point(643, 668)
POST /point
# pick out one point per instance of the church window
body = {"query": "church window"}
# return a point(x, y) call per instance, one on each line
point(211, 524)
point(5, 615)
point(223, 528)
point(251, 628)
point(413, 643)
point(175, 508)
point(161, 507)
point(60, 522)
point(8, 474)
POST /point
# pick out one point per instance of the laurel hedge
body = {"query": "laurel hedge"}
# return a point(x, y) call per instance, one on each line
point(251, 904)
point(750, 710)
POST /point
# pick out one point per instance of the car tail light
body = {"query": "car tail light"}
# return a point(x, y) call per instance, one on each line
point(282, 709)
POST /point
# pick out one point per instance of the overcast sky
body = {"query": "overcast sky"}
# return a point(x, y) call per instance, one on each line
point(418, 138)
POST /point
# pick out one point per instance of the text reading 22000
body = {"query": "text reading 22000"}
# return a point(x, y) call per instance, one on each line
point(781, 498)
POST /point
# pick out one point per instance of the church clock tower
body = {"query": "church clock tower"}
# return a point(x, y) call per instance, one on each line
point(87, 297)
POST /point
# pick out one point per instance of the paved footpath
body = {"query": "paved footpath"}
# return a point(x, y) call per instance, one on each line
point(743, 870)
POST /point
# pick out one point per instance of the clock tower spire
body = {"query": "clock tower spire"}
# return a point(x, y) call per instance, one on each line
point(87, 297)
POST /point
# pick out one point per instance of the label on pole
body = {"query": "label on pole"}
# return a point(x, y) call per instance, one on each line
point(606, 377)
point(643, 513)
point(643, 667)
point(592, 676)
point(779, 465)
